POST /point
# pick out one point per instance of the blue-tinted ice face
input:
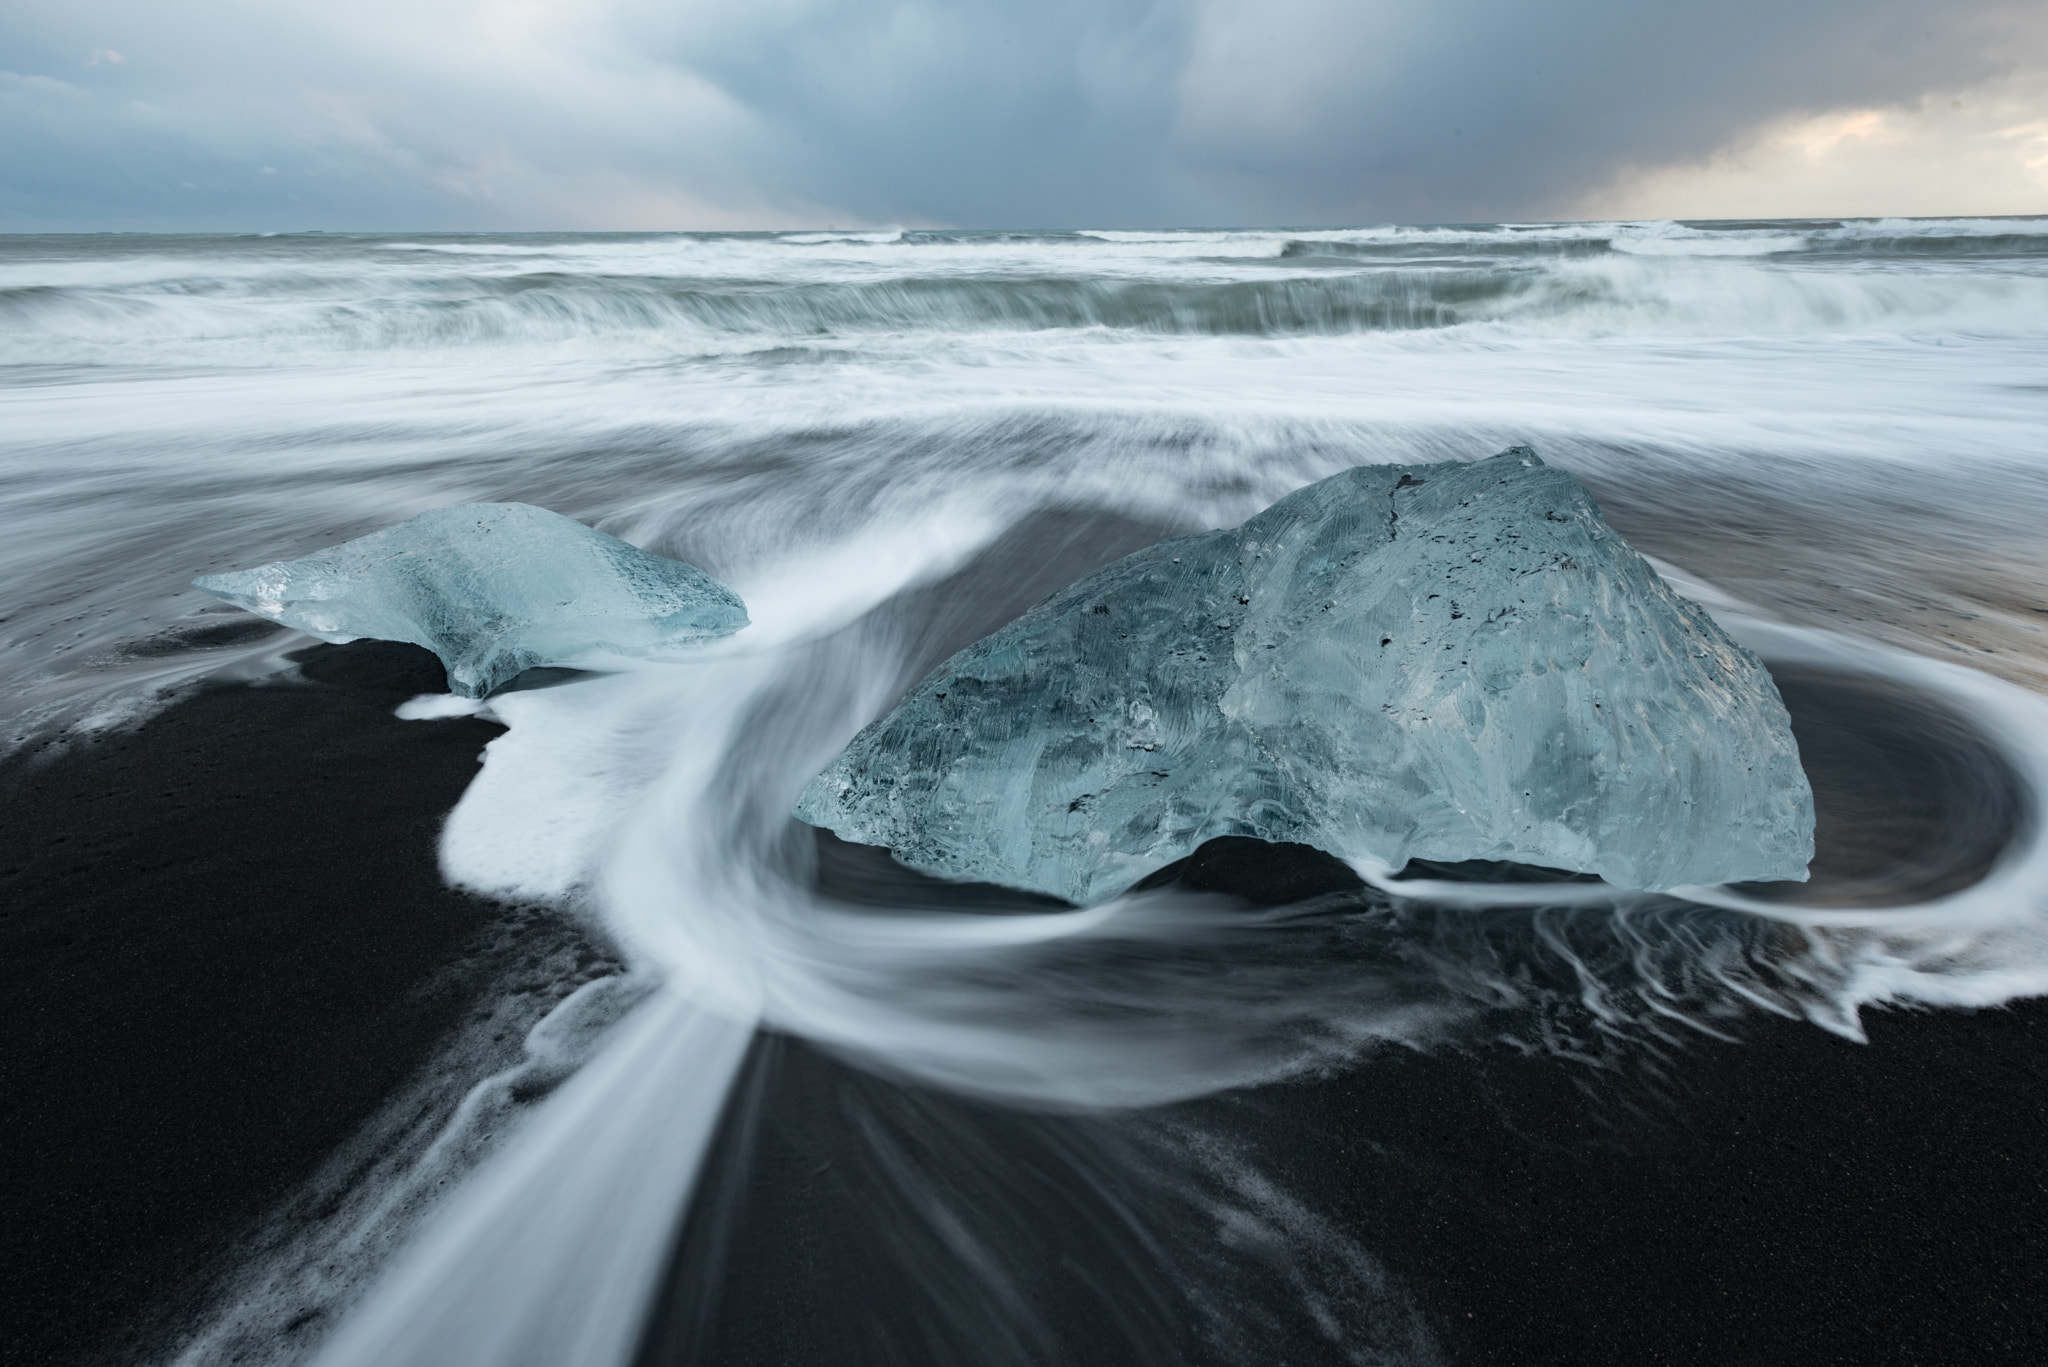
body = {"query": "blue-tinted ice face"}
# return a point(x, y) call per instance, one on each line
point(1447, 662)
point(493, 589)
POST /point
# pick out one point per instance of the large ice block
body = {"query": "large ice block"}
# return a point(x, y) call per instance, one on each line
point(493, 589)
point(1449, 662)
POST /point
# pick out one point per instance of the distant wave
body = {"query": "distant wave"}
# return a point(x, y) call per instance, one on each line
point(264, 300)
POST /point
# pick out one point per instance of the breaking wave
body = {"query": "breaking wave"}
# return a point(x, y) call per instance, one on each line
point(266, 301)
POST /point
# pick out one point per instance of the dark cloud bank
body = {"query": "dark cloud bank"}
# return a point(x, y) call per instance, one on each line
point(975, 112)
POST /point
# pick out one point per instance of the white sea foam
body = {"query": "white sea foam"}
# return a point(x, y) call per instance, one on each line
point(878, 238)
point(1940, 227)
point(1707, 244)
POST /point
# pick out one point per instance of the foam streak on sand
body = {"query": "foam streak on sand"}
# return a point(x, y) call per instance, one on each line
point(551, 1251)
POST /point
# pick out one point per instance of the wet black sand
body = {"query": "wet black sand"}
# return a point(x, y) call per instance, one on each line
point(225, 944)
point(1795, 1198)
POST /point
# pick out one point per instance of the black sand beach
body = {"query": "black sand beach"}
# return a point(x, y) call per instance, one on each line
point(1795, 1199)
point(226, 944)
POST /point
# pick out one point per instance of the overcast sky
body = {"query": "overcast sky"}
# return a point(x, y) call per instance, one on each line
point(424, 114)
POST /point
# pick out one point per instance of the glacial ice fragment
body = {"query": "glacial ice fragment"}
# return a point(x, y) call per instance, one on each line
point(1449, 662)
point(493, 589)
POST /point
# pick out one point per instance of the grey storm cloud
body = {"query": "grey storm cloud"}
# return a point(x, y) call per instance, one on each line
point(479, 114)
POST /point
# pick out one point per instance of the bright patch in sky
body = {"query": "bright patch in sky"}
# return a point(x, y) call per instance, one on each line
point(1982, 151)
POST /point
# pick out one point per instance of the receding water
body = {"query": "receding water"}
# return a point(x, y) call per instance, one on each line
point(893, 443)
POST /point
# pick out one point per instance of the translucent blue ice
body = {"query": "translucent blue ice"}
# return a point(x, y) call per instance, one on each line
point(493, 589)
point(1448, 662)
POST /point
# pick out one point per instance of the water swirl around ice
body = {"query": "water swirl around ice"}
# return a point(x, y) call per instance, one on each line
point(892, 444)
point(660, 798)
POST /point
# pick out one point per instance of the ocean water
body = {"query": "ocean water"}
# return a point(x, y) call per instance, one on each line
point(890, 443)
